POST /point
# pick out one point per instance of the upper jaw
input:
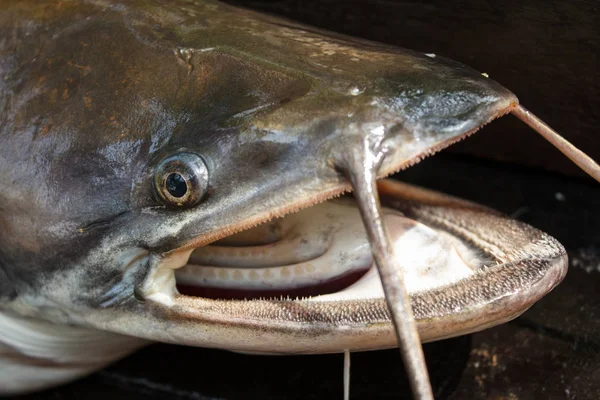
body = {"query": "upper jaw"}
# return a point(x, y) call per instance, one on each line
point(278, 159)
point(315, 150)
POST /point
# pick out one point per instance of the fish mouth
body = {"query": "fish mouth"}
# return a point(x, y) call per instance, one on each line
point(317, 249)
point(322, 253)
point(300, 278)
point(306, 282)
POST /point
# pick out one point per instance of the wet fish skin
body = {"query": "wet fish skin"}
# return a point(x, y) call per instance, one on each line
point(95, 94)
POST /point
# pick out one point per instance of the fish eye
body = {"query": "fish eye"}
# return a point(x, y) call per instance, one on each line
point(181, 180)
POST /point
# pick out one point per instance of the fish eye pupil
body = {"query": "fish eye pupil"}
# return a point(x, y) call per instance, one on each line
point(176, 185)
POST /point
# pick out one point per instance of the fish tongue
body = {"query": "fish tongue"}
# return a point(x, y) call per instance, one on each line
point(360, 165)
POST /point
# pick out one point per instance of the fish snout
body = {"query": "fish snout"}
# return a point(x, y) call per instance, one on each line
point(407, 120)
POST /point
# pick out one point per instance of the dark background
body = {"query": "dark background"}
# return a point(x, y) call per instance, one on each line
point(546, 52)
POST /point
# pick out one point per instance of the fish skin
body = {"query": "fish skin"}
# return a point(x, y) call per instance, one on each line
point(86, 117)
point(94, 94)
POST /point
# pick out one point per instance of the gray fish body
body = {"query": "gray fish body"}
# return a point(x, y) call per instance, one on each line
point(95, 94)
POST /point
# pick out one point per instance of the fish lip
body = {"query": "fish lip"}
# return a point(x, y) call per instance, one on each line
point(303, 326)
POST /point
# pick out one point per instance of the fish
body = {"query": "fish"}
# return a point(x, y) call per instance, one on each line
point(179, 172)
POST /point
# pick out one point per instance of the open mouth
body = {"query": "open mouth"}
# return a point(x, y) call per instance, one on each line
point(323, 252)
point(307, 283)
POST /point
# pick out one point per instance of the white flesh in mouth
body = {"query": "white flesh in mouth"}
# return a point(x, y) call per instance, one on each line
point(323, 243)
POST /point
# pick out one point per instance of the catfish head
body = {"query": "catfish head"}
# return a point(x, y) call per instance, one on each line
point(165, 169)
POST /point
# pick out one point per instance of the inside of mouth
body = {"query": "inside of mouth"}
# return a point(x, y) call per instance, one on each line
point(322, 253)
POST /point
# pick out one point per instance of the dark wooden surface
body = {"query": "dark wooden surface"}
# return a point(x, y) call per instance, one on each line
point(546, 52)
point(550, 352)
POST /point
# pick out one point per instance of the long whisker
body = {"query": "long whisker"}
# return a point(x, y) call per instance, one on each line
point(363, 181)
point(577, 156)
point(347, 375)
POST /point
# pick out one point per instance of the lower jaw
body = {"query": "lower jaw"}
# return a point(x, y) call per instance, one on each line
point(332, 286)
